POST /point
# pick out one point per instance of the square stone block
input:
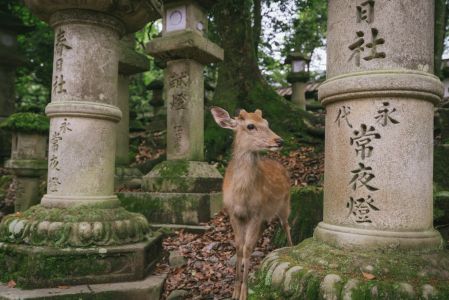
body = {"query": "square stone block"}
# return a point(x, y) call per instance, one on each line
point(39, 267)
point(173, 208)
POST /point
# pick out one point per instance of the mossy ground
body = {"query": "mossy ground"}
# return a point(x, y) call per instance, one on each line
point(390, 268)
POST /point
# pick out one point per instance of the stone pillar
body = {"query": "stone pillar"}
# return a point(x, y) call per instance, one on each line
point(298, 77)
point(80, 208)
point(10, 58)
point(157, 101)
point(379, 97)
point(377, 238)
point(184, 180)
point(28, 160)
point(130, 62)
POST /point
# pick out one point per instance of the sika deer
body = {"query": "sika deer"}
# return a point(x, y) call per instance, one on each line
point(255, 189)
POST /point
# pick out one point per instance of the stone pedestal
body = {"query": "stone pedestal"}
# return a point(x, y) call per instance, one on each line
point(29, 164)
point(80, 209)
point(377, 238)
point(130, 62)
point(185, 51)
point(10, 27)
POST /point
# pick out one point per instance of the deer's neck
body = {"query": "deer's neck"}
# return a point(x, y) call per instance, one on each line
point(245, 169)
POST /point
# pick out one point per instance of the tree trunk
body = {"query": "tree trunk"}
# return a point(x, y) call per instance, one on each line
point(441, 15)
point(257, 27)
point(240, 83)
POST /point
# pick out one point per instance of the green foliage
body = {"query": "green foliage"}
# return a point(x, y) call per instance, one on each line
point(34, 78)
point(26, 122)
point(309, 29)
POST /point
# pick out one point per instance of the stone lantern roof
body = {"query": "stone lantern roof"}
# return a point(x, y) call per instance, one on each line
point(134, 14)
point(296, 56)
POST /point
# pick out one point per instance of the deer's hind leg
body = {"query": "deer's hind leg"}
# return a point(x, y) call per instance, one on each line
point(283, 218)
point(253, 231)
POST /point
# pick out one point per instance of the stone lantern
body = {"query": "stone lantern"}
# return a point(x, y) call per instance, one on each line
point(377, 239)
point(184, 180)
point(10, 59)
point(80, 234)
point(298, 77)
point(130, 62)
point(28, 160)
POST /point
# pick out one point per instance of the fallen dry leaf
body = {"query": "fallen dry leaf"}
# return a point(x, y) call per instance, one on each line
point(12, 284)
point(368, 276)
point(63, 287)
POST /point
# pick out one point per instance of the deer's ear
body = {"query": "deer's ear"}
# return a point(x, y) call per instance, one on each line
point(258, 112)
point(222, 118)
point(243, 114)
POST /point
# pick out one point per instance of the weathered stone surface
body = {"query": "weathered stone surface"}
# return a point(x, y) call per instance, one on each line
point(147, 289)
point(79, 226)
point(72, 266)
point(289, 275)
point(178, 295)
point(395, 272)
point(176, 259)
point(185, 45)
point(134, 15)
point(379, 126)
point(181, 176)
point(170, 208)
point(279, 273)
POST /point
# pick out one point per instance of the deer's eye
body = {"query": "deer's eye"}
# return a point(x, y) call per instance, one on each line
point(251, 126)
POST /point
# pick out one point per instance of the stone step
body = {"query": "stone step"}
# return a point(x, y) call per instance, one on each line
point(173, 208)
point(188, 228)
point(149, 288)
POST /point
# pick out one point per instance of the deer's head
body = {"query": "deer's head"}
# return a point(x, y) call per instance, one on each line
point(252, 132)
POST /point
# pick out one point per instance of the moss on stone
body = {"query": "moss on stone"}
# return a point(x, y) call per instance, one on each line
point(306, 213)
point(5, 181)
point(173, 168)
point(174, 208)
point(390, 268)
point(26, 122)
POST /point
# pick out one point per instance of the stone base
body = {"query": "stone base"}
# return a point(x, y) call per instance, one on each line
point(173, 208)
point(181, 176)
point(38, 267)
point(315, 270)
point(128, 177)
point(148, 289)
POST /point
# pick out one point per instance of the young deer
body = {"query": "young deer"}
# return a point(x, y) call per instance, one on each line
point(255, 189)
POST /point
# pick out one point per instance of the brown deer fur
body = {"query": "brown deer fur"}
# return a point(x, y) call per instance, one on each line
point(255, 189)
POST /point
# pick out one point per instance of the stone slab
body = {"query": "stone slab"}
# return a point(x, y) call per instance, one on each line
point(187, 228)
point(149, 288)
point(186, 44)
point(172, 208)
point(43, 267)
point(127, 176)
point(181, 176)
point(132, 62)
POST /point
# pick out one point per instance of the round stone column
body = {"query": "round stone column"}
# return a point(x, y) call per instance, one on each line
point(379, 96)
point(82, 111)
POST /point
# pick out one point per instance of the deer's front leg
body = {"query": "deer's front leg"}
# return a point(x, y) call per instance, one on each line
point(251, 237)
point(239, 233)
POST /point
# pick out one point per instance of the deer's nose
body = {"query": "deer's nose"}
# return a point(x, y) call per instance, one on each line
point(279, 142)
